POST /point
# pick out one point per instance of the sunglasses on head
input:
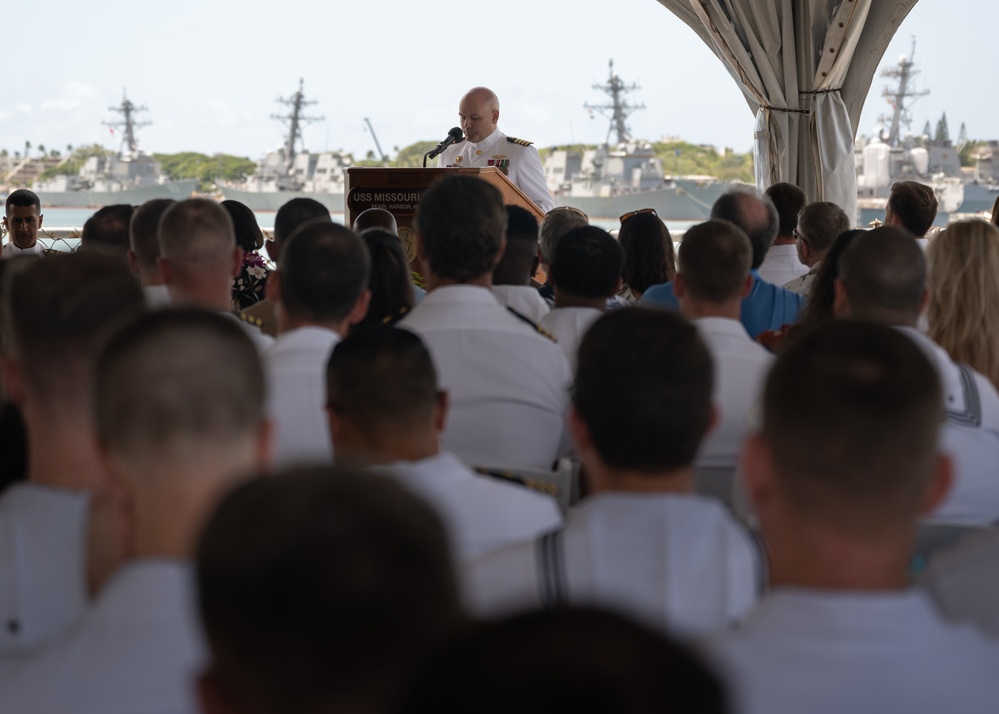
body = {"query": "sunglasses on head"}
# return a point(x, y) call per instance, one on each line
point(632, 214)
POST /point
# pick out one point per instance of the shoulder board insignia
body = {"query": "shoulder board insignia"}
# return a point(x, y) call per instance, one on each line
point(519, 142)
point(391, 320)
point(537, 328)
point(249, 319)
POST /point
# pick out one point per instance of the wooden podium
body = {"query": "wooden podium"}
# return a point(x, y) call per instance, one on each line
point(399, 191)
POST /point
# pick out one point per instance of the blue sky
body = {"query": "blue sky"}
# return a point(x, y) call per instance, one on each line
point(209, 71)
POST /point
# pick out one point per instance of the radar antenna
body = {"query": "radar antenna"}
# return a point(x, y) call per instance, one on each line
point(128, 122)
point(900, 97)
point(294, 121)
point(619, 109)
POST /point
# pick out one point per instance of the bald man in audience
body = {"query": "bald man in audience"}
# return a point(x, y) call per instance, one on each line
point(844, 466)
point(144, 250)
point(512, 275)
point(882, 279)
point(199, 258)
point(819, 225)
point(641, 542)
point(713, 276)
point(386, 410)
point(508, 383)
point(320, 289)
point(288, 218)
point(179, 414)
point(375, 218)
point(56, 313)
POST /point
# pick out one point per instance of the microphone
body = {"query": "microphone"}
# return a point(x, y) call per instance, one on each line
point(453, 137)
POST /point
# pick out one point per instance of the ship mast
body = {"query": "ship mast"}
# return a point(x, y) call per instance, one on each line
point(619, 109)
point(128, 122)
point(901, 96)
point(294, 121)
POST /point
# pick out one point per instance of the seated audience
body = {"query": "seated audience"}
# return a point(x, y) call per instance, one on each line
point(557, 222)
point(385, 410)
point(248, 287)
point(107, 231)
point(512, 274)
point(641, 543)
point(566, 660)
point(319, 590)
point(767, 307)
point(391, 283)
point(913, 206)
point(782, 263)
point(839, 491)
point(144, 250)
point(649, 256)
point(712, 280)
point(320, 289)
point(179, 414)
point(586, 271)
point(508, 384)
point(819, 225)
point(882, 279)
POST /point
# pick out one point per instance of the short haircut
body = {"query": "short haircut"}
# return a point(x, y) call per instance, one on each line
point(296, 212)
point(59, 310)
point(649, 256)
point(178, 382)
point(142, 230)
point(569, 659)
point(821, 223)
point(382, 378)
point(390, 282)
point(884, 273)
point(249, 237)
point(754, 214)
point(461, 221)
point(915, 205)
point(587, 263)
point(379, 218)
point(643, 388)
point(324, 269)
point(517, 263)
point(788, 199)
point(196, 231)
point(557, 223)
point(852, 412)
point(107, 231)
point(319, 589)
point(22, 197)
point(715, 258)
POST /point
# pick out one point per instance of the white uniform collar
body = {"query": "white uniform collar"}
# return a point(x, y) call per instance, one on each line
point(722, 325)
point(460, 294)
point(10, 250)
point(488, 141)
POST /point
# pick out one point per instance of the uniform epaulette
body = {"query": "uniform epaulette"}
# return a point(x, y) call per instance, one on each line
point(537, 328)
point(249, 319)
point(519, 142)
point(391, 320)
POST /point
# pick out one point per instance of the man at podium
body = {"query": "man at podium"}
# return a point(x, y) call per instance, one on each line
point(485, 145)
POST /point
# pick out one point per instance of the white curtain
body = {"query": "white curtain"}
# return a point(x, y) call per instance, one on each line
point(805, 67)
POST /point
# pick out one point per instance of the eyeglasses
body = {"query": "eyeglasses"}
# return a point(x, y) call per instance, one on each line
point(632, 214)
point(802, 238)
point(571, 209)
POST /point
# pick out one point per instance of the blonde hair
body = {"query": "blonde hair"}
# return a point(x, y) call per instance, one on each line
point(964, 292)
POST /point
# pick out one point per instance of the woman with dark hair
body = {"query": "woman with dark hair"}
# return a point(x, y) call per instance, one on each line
point(649, 257)
point(390, 283)
point(248, 287)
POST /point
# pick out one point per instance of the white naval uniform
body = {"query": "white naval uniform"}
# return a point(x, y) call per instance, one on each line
point(523, 164)
point(826, 652)
point(741, 367)
point(569, 324)
point(296, 378)
point(10, 250)
point(964, 582)
point(508, 385)
point(43, 557)
point(481, 514)
point(138, 649)
point(525, 299)
point(673, 561)
point(970, 434)
point(782, 264)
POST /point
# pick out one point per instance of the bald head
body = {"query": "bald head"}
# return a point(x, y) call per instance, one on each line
point(478, 112)
point(882, 278)
point(198, 253)
point(755, 215)
point(376, 218)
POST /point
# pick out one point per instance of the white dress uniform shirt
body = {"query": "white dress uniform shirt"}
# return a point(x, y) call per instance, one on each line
point(569, 324)
point(782, 264)
point(156, 296)
point(673, 561)
point(10, 250)
point(296, 379)
point(970, 434)
point(525, 299)
point(43, 554)
point(481, 514)
point(741, 367)
point(508, 385)
point(964, 582)
point(520, 163)
point(827, 652)
point(137, 650)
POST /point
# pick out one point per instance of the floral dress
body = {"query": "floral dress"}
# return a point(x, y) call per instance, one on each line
point(248, 287)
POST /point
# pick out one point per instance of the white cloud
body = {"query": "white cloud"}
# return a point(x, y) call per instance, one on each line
point(23, 107)
point(65, 105)
point(80, 90)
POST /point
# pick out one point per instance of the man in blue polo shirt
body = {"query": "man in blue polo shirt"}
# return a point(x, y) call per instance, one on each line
point(768, 306)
